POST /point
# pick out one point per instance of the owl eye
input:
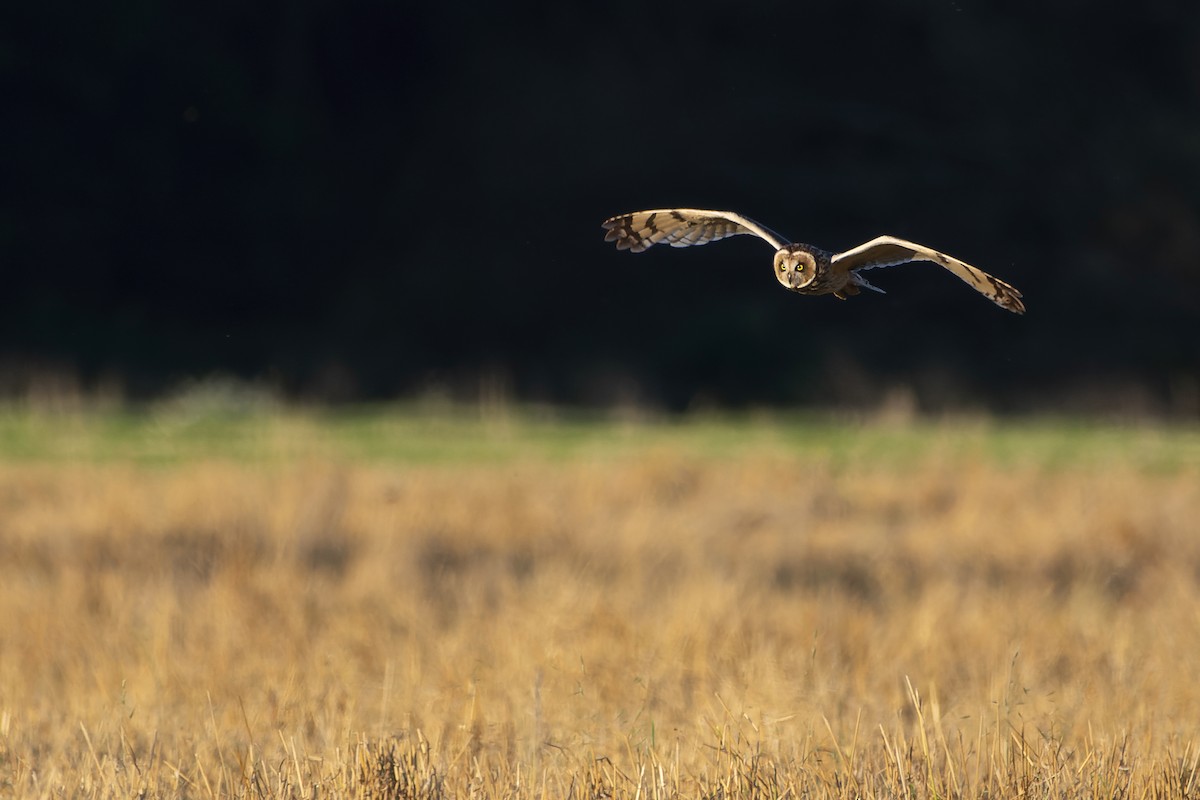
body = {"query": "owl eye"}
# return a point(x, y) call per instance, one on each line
point(801, 267)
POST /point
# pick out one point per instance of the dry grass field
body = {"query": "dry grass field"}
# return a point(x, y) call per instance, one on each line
point(396, 605)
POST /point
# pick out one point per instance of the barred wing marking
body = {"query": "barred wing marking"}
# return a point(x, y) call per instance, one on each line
point(888, 251)
point(682, 227)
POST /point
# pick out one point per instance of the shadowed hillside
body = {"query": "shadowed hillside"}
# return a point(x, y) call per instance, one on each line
point(360, 200)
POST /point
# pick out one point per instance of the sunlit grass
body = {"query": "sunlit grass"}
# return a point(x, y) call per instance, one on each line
point(416, 602)
point(451, 435)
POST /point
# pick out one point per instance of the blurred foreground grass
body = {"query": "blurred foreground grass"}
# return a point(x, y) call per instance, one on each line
point(415, 603)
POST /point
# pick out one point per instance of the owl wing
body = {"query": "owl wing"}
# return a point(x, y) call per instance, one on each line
point(887, 251)
point(682, 227)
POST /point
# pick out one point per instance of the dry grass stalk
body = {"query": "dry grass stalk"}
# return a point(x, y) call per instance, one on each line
point(653, 625)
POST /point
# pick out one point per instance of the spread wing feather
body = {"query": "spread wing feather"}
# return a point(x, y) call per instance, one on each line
point(888, 251)
point(682, 227)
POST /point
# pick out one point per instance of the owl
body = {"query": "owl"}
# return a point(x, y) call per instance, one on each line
point(799, 267)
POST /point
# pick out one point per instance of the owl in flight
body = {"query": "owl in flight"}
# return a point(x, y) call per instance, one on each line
point(799, 267)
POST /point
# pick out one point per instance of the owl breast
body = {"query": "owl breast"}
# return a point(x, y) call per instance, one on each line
point(829, 280)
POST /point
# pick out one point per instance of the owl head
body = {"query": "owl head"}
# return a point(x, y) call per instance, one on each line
point(795, 267)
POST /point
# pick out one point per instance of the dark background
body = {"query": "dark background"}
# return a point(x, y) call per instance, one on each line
point(363, 200)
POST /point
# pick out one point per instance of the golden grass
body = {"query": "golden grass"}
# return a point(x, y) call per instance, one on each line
point(645, 623)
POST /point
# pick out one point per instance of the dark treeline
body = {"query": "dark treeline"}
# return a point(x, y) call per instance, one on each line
point(359, 200)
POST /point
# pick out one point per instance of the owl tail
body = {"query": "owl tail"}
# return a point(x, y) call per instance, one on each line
point(859, 280)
